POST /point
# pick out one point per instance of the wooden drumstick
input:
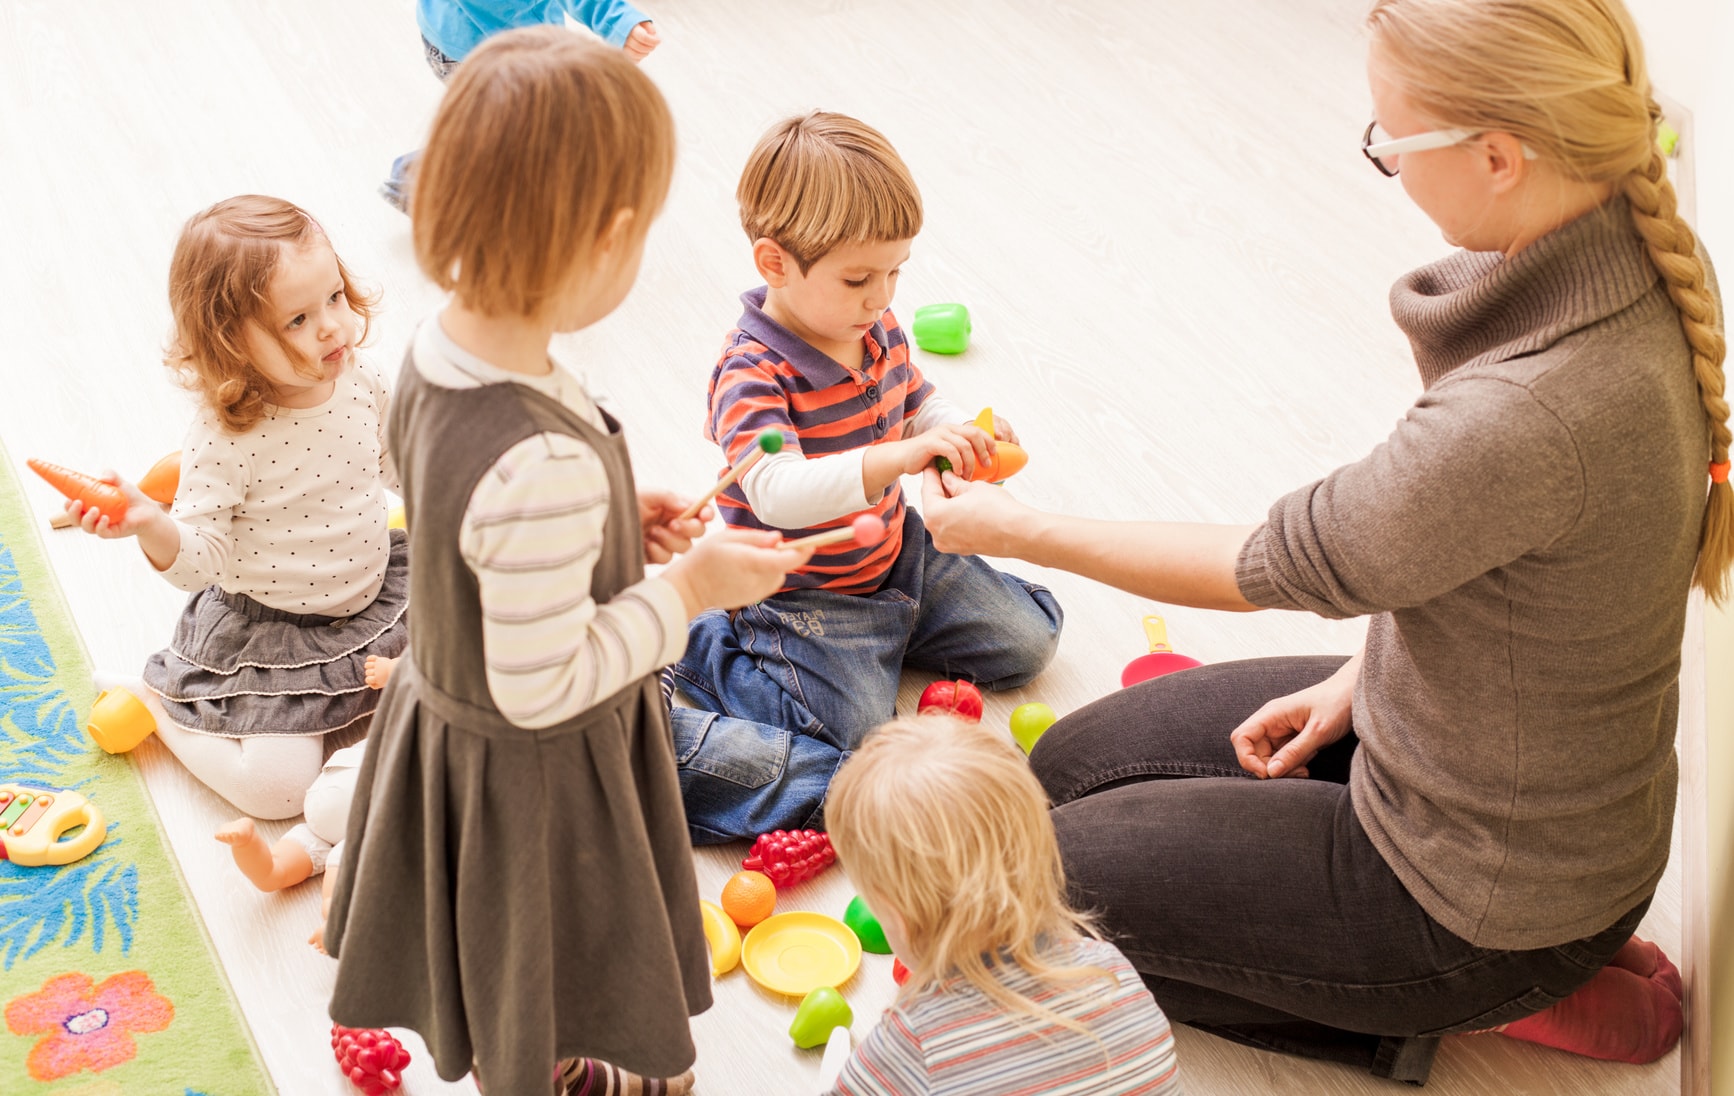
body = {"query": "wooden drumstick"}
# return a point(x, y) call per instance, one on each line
point(770, 440)
point(864, 530)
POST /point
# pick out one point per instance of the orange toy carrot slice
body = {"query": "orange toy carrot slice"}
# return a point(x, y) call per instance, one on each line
point(105, 498)
point(163, 480)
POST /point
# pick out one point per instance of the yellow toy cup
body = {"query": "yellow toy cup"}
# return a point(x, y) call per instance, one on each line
point(119, 721)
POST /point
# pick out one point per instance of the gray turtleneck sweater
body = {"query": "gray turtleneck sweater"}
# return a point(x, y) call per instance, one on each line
point(1524, 542)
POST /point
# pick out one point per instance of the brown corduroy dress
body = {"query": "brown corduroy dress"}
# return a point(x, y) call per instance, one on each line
point(514, 896)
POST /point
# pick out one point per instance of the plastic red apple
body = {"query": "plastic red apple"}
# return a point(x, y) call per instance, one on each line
point(958, 698)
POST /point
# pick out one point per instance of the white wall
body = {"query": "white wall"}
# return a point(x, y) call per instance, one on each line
point(1691, 45)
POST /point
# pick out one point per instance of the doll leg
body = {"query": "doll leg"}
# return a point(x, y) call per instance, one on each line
point(268, 867)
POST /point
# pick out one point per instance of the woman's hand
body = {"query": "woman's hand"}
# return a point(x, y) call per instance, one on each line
point(1286, 733)
point(666, 535)
point(969, 518)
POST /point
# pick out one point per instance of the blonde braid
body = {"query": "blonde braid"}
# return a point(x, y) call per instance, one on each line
point(1673, 252)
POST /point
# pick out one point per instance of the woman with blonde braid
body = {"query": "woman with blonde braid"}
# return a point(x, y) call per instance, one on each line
point(1492, 777)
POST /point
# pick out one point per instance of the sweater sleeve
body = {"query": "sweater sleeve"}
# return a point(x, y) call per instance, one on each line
point(215, 472)
point(889, 1062)
point(611, 20)
point(532, 533)
point(1478, 473)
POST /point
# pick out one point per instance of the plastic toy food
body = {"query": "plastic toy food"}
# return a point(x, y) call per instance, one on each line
point(864, 530)
point(899, 972)
point(371, 1058)
point(835, 1058)
point(119, 721)
point(32, 821)
point(104, 498)
point(722, 936)
point(822, 1011)
point(958, 698)
point(1029, 722)
point(749, 897)
point(796, 953)
point(770, 440)
point(1161, 659)
point(941, 328)
point(160, 483)
point(866, 927)
point(1007, 461)
point(791, 856)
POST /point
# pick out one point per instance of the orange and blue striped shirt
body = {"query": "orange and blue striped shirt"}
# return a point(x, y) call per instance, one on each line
point(767, 377)
point(956, 1041)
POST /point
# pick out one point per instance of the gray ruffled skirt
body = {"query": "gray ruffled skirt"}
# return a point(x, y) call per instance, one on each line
point(237, 667)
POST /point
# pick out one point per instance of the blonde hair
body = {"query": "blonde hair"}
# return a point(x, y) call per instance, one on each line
point(219, 281)
point(943, 822)
point(1567, 77)
point(542, 139)
point(819, 180)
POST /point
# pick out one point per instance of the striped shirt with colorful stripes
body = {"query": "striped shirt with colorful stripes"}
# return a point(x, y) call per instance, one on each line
point(767, 377)
point(954, 1040)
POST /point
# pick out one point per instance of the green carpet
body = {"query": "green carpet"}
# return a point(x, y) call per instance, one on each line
point(108, 982)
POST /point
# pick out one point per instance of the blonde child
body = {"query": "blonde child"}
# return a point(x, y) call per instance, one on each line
point(518, 885)
point(945, 833)
point(279, 523)
point(817, 354)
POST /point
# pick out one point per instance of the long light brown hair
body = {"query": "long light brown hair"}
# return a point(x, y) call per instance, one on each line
point(943, 822)
point(541, 140)
point(219, 282)
point(1568, 78)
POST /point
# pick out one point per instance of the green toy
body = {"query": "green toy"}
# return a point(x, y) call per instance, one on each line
point(866, 927)
point(1667, 138)
point(822, 1011)
point(941, 328)
point(1029, 722)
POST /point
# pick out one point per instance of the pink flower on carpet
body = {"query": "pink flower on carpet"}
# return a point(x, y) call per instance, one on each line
point(87, 1026)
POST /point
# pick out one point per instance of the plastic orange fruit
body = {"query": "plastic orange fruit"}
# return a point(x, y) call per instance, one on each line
point(749, 898)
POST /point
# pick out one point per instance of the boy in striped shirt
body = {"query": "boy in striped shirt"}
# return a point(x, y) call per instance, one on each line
point(831, 210)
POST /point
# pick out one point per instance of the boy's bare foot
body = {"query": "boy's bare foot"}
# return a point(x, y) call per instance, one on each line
point(270, 868)
point(378, 671)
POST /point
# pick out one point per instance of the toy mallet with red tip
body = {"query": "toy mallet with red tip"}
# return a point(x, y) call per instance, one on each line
point(770, 440)
point(864, 530)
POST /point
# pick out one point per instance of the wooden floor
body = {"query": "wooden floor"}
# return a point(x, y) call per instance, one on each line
point(1176, 258)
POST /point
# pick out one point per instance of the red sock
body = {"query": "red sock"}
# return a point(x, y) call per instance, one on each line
point(1646, 960)
point(1620, 1016)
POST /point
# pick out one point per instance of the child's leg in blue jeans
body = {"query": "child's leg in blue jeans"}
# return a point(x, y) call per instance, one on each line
point(739, 779)
point(974, 622)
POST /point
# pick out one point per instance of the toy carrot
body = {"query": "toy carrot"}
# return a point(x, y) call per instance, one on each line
point(105, 498)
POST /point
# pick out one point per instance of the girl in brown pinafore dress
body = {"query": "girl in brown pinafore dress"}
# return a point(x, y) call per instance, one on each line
point(522, 891)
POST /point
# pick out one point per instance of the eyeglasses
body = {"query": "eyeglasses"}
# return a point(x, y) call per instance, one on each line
point(1386, 146)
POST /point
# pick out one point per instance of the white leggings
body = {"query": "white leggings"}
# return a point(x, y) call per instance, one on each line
point(265, 776)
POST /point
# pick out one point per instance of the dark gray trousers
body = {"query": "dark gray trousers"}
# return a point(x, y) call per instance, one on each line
point(1259, 910)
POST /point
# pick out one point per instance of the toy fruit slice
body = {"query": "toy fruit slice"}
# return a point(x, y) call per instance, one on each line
point(958, 698)
point(796, 953)
point(104, 498)
point(724, 938)
point(163, 480)
point(822, 1011)
point(866, 927)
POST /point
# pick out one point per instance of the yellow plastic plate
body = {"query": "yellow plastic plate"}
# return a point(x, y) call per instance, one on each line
point(796, 953)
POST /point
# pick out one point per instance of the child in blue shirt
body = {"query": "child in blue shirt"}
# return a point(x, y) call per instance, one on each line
point(450, 29)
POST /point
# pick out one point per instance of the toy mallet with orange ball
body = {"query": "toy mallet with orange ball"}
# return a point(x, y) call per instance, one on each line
point(1007, 460)
point(104, 498)
point(770, 440)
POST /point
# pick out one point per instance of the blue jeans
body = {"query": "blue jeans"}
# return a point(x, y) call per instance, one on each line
point(396, 188)
point(787, 689)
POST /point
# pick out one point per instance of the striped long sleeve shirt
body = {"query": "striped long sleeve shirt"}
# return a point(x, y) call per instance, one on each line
point(954, 1041)
point(767, 377)
point(532, 533)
